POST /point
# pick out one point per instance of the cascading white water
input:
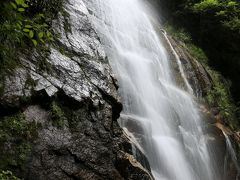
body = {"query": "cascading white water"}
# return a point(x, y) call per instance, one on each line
point(189, 88)
point(168, 125)
point(232, 152)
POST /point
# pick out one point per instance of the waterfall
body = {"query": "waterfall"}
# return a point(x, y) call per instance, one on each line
point(163, 118)
point(189, 88)
point(232, 152)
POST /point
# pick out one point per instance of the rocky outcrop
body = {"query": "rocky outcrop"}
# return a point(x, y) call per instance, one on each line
point(195, 72)
point(68, 93)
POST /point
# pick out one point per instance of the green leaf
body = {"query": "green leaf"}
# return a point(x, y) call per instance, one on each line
point(13, 5)
point(21, 9)
point(28, 26)
point(42, 41)
point(20, 22)
point(40, 35)
point(41, 15)
point(25, 5)
point(19, 2)
point(49, 34)
point(26, 30)
point(45, 25)
point(31, 34)
point(18, 40)
point(19, 26)
point(34, 42)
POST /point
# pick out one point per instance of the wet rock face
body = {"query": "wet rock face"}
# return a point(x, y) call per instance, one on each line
point(196, 74)
point(91, 150)
point(70, 93)
point(76, 64)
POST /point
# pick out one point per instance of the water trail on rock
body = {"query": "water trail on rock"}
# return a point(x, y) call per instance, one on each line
point(231, 151)
point(189, 88)
point(162, 117)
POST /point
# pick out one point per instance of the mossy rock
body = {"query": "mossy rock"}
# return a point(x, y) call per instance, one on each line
point(16, 137)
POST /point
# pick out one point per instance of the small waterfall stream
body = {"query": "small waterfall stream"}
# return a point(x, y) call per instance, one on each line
point(232, 153)
point(189, 88)
point(162, 117)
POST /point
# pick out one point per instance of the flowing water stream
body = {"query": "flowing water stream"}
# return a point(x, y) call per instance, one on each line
point(232, 153)
point(162, 116)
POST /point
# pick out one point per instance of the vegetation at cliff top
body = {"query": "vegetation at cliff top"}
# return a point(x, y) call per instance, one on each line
point(24, 24)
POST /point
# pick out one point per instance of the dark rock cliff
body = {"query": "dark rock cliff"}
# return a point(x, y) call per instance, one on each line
point(59, 110)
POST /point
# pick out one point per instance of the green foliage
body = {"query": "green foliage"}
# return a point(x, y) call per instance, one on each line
point(21, 29)
point(57, 114)
point(182, 35)
point(35, 28)
point(220, 97)
point(7, 175)
point(50, 7)
point(233, 24)
point(205, 5)
point(15, 141)
point(226, 12)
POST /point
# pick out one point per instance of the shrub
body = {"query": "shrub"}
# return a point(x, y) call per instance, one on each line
point(7, 175)
point(22, 27)
point(220, 97)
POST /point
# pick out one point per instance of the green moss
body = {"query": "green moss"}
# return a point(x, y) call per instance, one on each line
point(75, 117)
point(30, 82)
point(44, 65)
point(182, 35)
point(57, 115)
point(62, 50)
point(219, 96)
point(16, 135)
point(1, 88)
point(66, 24)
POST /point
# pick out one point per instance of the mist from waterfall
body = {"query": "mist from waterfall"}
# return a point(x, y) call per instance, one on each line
point(163, 117)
